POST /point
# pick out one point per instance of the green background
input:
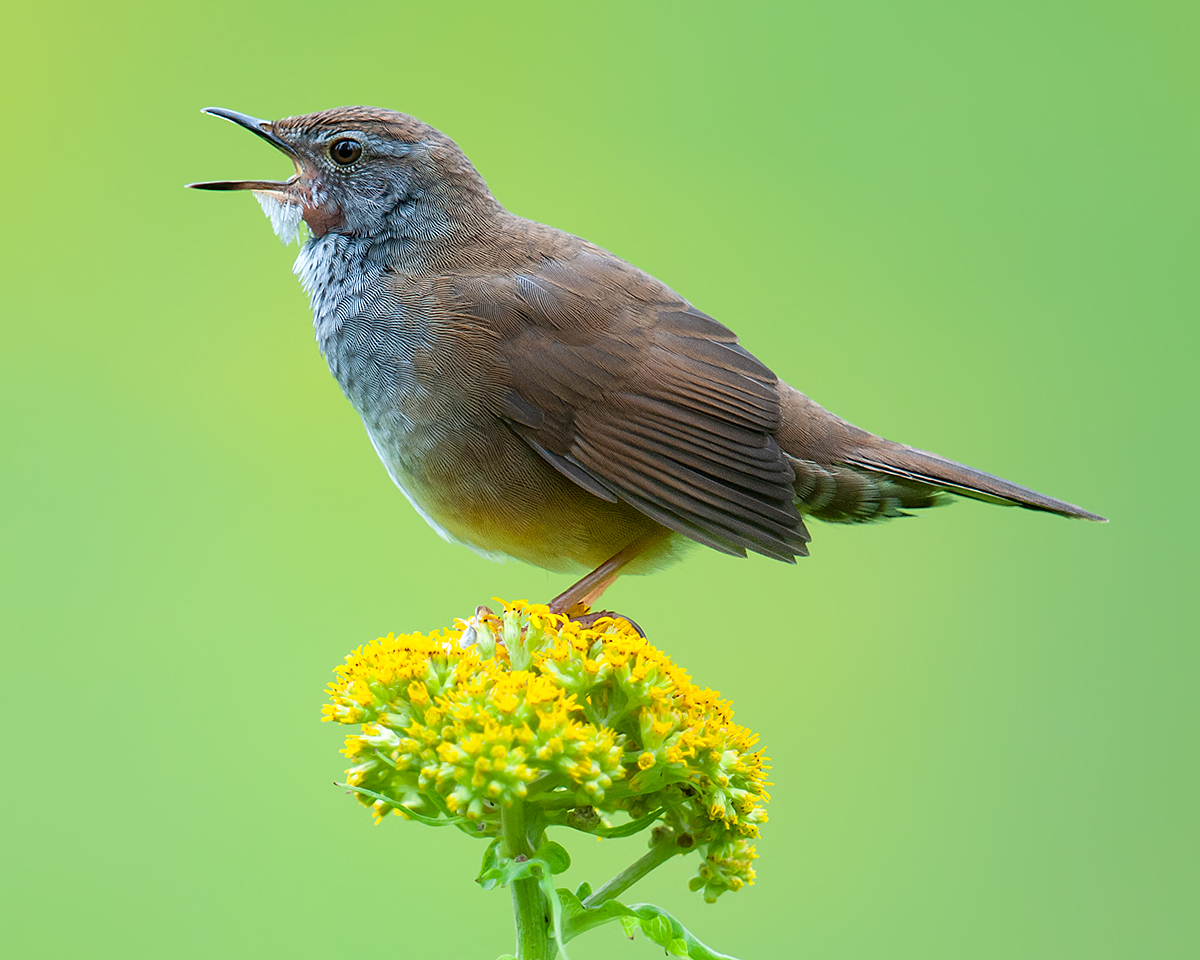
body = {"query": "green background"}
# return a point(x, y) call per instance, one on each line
point(971, 227)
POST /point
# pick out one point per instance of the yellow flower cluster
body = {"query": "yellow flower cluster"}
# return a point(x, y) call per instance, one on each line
point(541, 710)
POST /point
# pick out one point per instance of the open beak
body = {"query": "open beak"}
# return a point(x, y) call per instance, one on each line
point(260, 128)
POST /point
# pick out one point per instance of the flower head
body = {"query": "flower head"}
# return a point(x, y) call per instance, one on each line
point(542, 710)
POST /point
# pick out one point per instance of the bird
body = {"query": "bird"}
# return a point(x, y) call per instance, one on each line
point(536, 397)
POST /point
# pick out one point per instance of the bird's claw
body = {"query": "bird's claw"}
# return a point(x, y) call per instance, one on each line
point(579, 614)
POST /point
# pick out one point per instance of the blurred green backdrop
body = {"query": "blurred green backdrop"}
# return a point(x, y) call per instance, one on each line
point(971, 227)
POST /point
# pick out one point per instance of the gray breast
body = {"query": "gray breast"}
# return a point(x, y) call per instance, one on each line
point(367, 335)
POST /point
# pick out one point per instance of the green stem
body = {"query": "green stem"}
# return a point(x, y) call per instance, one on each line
point(529, 908)
point(662, 849)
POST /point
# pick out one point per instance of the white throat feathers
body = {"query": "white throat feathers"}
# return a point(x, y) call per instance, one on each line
point(285, 216)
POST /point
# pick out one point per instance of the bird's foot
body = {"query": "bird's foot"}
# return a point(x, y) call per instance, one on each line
point(576, 613)
point(587, 619)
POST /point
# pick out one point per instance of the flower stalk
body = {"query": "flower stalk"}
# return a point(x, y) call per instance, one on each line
point(663, 846)
point(530, 910)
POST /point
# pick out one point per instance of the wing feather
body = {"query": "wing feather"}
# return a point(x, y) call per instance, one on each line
point(633, 394)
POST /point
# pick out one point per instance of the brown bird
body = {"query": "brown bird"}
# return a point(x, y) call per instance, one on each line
point(535, 396)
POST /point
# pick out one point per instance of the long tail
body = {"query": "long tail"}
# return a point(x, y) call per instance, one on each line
point(845, 474)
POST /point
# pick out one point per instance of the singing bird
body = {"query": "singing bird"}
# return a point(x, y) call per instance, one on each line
point(535, 396)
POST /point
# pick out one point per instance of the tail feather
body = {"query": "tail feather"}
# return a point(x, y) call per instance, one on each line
point(844, 494)
point(908, 463)
point(845, 474)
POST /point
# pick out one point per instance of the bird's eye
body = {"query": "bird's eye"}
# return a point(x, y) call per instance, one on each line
point(345, 152)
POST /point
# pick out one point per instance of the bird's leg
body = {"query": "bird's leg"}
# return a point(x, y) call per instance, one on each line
point(577, 599)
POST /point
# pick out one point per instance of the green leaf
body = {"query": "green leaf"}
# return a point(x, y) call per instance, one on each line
point(404, 811)
point(632, 827)
point(659, 929)
point(577, 919)
point(555, 856)
point(546, 882)
point(438, 801)
point(490, 870)
point(497, 870)
point(658, 925)
point(676, 938)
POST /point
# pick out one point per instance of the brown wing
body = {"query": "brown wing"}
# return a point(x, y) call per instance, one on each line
point(635, 395)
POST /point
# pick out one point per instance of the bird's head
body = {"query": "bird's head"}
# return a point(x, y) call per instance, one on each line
point(363, 171)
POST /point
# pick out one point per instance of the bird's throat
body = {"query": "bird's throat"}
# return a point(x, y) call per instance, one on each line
point(324, 218)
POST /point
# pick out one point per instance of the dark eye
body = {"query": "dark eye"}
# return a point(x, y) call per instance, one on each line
point(345, 152)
